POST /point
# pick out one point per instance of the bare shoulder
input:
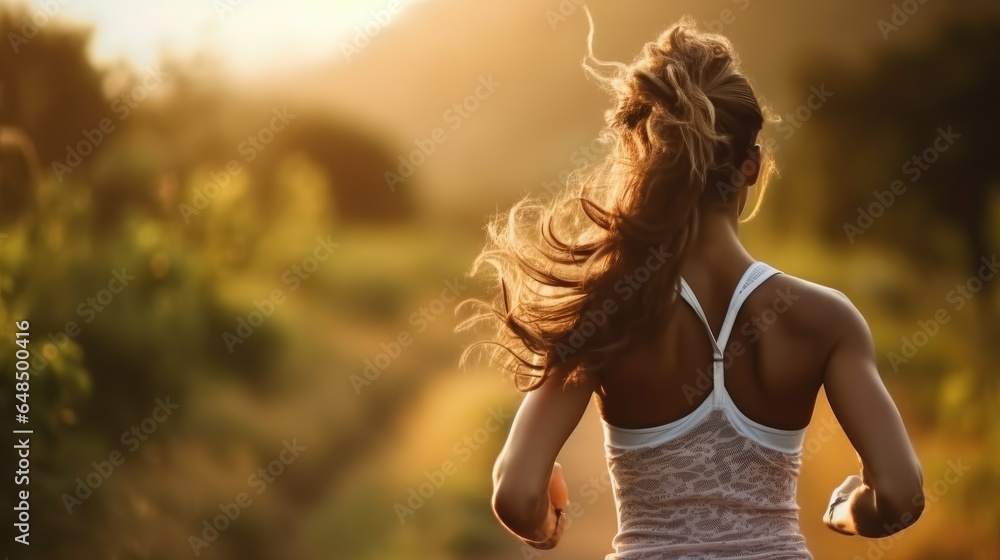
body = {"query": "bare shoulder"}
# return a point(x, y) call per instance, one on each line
point(820, 310)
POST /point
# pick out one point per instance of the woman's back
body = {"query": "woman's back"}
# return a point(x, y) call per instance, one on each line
point(704, 479)
point(774, 358)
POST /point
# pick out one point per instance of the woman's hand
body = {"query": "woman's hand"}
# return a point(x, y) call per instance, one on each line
point(889, 495)
point(558, 492)
point(529, 490)
point(842, 495)
point(558, 502)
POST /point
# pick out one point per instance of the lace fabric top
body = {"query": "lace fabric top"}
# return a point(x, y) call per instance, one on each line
point(714, 484)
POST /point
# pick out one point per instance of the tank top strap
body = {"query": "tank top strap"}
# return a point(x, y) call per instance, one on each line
point(754, 276)
point(687, 294)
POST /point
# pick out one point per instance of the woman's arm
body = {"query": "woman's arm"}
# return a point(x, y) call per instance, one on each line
point(529, 493)
point(888, 495)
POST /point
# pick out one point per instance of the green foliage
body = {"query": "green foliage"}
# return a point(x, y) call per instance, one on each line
point(103, 356)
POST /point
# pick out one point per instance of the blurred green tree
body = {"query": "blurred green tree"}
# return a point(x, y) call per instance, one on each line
point(925, 116)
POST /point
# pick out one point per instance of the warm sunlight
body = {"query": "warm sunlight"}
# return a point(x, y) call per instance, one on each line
point(244, 33)
point(273, 271)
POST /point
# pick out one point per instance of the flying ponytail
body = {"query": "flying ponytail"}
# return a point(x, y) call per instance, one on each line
point(579, 277)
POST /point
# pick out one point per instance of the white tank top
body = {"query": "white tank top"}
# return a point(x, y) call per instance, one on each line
point(714, 484)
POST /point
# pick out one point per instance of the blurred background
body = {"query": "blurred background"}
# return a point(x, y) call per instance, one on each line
point(239, 230)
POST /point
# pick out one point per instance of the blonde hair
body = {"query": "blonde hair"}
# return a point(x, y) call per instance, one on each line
point(684, 118)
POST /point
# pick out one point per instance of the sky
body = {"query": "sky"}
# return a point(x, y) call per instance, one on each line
point(243, 33)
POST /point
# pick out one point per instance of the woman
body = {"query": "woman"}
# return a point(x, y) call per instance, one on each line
point(635, 287)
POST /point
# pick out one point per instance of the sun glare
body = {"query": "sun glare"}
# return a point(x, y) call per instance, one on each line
point(251, 37)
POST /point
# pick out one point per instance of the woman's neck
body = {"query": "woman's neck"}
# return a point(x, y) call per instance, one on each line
point(717, 243)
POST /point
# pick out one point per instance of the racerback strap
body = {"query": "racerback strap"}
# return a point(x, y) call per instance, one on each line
point(754, 276)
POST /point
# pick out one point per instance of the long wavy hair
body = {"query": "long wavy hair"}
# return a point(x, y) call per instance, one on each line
point(580, 276)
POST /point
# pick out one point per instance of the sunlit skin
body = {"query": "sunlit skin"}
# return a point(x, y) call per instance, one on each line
point(820, 341)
